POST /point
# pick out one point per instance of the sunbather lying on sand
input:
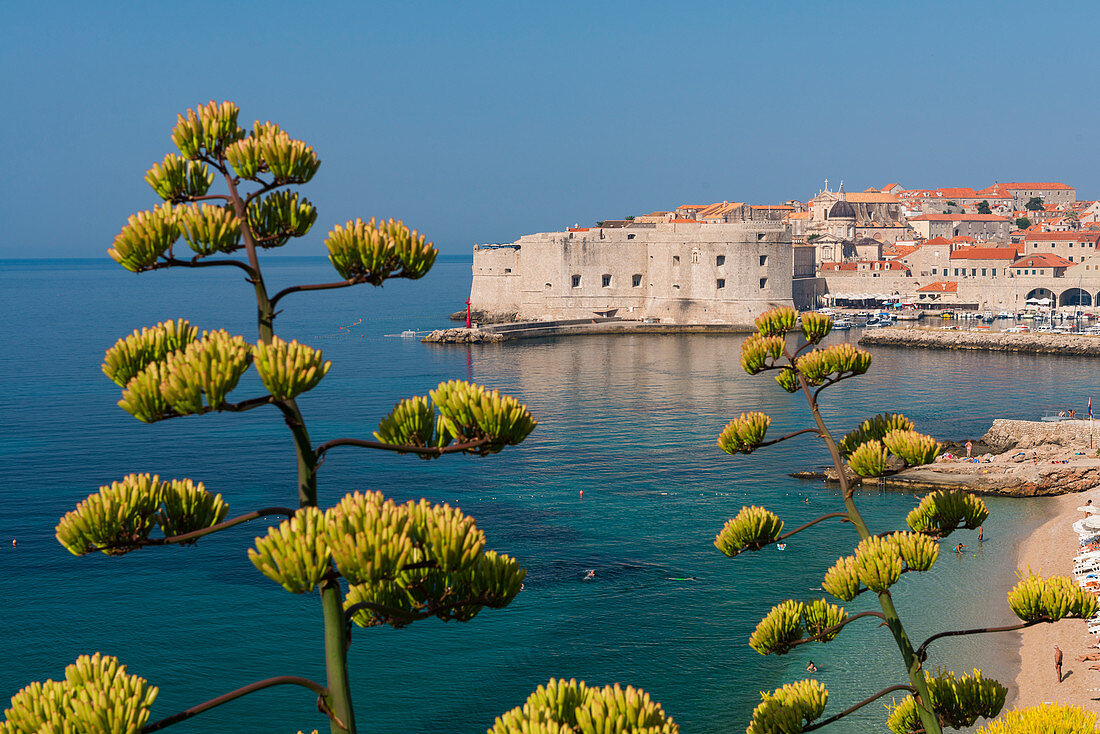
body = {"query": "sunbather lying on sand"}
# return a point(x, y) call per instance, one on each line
point(1089, 656)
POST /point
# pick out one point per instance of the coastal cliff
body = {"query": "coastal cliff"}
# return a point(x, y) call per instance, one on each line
point(996, 341)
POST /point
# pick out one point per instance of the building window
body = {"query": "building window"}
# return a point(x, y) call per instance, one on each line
point(763, 260)
point(763, 283)
point(675, 259)
point(983, 272)
point(720, 260)
point(994, 272)
point(630, 236)
point(933, 271)
point(636, 280)
point(956, 271)
point(695, 256)
point(507, 270)
point(721, 282)
point(675, 286)
point(606, 280)
point(549, 286)
point(759, 236)
point(973, 272)
point(576, 281)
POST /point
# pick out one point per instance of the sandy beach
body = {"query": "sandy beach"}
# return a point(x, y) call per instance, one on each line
point(1049, 550)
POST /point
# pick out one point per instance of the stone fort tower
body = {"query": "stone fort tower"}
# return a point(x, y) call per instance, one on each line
point(675, 272)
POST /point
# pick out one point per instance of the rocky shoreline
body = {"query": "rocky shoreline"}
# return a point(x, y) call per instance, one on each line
point(1013, 459)
point(995, 341)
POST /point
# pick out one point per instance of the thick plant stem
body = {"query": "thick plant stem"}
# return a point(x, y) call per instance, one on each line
point(886, 602)
point(332, 598)
point(265, 314)
point(336, 657)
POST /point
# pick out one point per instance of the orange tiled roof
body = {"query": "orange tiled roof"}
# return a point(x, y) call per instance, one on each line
point(799, 215)
point(1046, 260)
point(937, 241)
point(1030, 236)
point(864, 197)
point(579, 229)
point(958, 218)
point(984, 253)
point(940, 286)
point(1018, 185)
point(684, 221)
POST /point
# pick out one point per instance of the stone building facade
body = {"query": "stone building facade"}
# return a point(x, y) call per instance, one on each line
point(677, 272)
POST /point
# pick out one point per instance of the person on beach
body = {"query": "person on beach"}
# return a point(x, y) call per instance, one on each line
point(1058, 662)
point(959, 548)
point(979, 533)
point(969, 448)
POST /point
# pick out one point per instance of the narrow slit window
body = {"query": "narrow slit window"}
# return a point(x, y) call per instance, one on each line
point(606, 280)
point(576, 281)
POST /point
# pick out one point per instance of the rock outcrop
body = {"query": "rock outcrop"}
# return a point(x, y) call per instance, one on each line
point(1013, 459)
point(992, 341)
point(462, 336)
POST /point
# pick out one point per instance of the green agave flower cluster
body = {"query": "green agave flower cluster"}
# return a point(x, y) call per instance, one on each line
point(873, 429)
point(277, 217)
point(838, 360)
point(957, 701)
point(562, 707)
point(744, 435)
point(412, 560)
point(869, 447)
point(167, 372)
point(759, 353)
point(207, 130)
point(788, 710)
point(374, 251)
point(130, 355)
point(942, 512)
point(209, 229)
point(97, 696)
point(145, 237)
point(1045, 718)
point(1055, 597)
point(816, 326)
point(198, 378)
point(787, 622)
point(177, 179)
point(120, 517)
point(289, 369)
point(467, 412)
point(269, 149)
point(752, 529)
point(777, 321)
point(879, 562)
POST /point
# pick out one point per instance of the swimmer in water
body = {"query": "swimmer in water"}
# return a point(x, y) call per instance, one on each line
point(590, 574)
point(781, 546)
point(681, 578)
point(959, 548)
point(811, 667)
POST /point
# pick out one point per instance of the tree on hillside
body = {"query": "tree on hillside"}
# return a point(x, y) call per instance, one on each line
point(1023, 223)
point(368, 560)
point(1035, 204)
point(879, 446)
point(983, 208)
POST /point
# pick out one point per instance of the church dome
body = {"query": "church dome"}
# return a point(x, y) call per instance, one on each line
point(842, 209)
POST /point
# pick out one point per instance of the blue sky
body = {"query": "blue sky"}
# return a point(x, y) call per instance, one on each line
point(479, 122)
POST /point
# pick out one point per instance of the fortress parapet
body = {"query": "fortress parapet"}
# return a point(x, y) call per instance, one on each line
point(676, 273)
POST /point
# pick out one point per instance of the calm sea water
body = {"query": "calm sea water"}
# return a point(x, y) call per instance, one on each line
point(630, 420)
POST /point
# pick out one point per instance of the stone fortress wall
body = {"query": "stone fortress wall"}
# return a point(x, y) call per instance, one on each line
point(677, 273)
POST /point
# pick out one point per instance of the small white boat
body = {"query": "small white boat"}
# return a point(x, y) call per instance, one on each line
point(409, 333)
point(841, 324)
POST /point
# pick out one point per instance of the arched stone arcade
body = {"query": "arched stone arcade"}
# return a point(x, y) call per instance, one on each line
point(1075, 297)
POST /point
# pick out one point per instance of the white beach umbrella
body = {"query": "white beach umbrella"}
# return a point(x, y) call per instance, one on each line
point(1091, 522)
point(1089, 508)
point(1032, 300)
point(1043, 301)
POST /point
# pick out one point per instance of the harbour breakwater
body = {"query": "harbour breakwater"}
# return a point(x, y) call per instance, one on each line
point(516, 330)
point(1000, 341)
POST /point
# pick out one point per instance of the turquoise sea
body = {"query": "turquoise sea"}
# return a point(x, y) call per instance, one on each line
point(630, 420)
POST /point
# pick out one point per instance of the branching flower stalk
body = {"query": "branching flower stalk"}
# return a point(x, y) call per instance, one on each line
point(881, 445)
point(400, 563)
